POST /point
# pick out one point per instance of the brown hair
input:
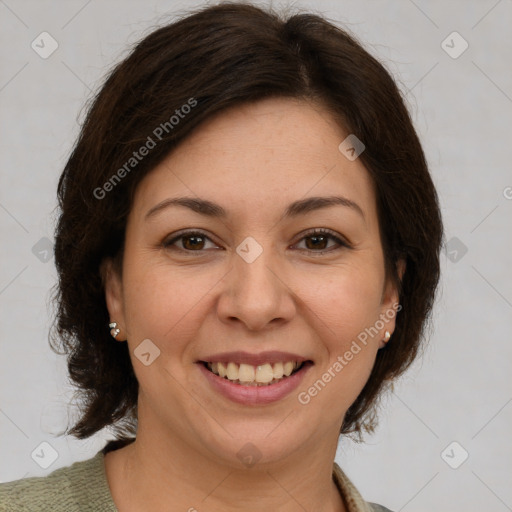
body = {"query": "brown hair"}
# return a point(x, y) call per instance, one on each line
point(218, 57)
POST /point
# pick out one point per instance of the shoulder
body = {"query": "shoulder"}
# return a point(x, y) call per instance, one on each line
point(36, 493)
point(62, 490)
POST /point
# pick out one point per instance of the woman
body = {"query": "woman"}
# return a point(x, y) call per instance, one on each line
point(248, 252)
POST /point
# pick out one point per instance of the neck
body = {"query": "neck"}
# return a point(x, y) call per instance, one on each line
point(162, 472)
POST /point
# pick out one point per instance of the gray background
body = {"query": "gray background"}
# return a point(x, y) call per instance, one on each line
point(460, 390)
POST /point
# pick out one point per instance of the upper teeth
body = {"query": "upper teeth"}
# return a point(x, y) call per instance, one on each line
point(247, 373)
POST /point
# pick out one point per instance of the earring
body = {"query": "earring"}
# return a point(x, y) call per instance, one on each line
point(114, 330)
point(387, 337)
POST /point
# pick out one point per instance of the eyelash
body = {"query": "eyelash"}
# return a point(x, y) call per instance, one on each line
point(314, 232)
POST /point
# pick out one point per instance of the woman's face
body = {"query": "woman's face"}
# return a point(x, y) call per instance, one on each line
point(252, 286)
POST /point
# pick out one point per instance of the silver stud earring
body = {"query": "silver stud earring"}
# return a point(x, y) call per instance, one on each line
point(114, 330)
point(387, 336)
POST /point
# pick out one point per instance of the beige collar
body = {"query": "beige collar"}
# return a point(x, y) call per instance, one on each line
point(353, 500)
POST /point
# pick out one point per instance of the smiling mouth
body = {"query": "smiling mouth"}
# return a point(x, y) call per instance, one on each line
point(250, 375)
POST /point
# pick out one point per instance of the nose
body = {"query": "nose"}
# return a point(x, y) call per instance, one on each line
point(256, 294)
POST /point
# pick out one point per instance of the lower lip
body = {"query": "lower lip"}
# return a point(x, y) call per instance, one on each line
point(255, 395)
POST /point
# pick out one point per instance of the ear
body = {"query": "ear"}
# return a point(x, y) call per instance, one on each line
point(390, 302)
point(114, 295)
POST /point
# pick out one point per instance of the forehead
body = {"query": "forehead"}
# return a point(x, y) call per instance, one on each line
point(265, 154)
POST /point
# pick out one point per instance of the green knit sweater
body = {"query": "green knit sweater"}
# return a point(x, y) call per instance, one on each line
point(83, 487)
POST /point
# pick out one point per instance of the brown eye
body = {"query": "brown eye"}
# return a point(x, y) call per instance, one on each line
point(191, 241)
point(318, 241)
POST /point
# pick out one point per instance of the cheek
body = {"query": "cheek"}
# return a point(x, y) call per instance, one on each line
point(343, 308)
point(345, 300)
point(163, 303)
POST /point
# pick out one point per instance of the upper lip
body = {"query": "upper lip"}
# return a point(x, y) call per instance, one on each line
point(241, 357)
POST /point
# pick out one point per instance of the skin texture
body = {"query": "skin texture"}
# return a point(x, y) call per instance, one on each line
point(253, 161)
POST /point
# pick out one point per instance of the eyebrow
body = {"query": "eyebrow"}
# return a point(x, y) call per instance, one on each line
point(210, 209)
